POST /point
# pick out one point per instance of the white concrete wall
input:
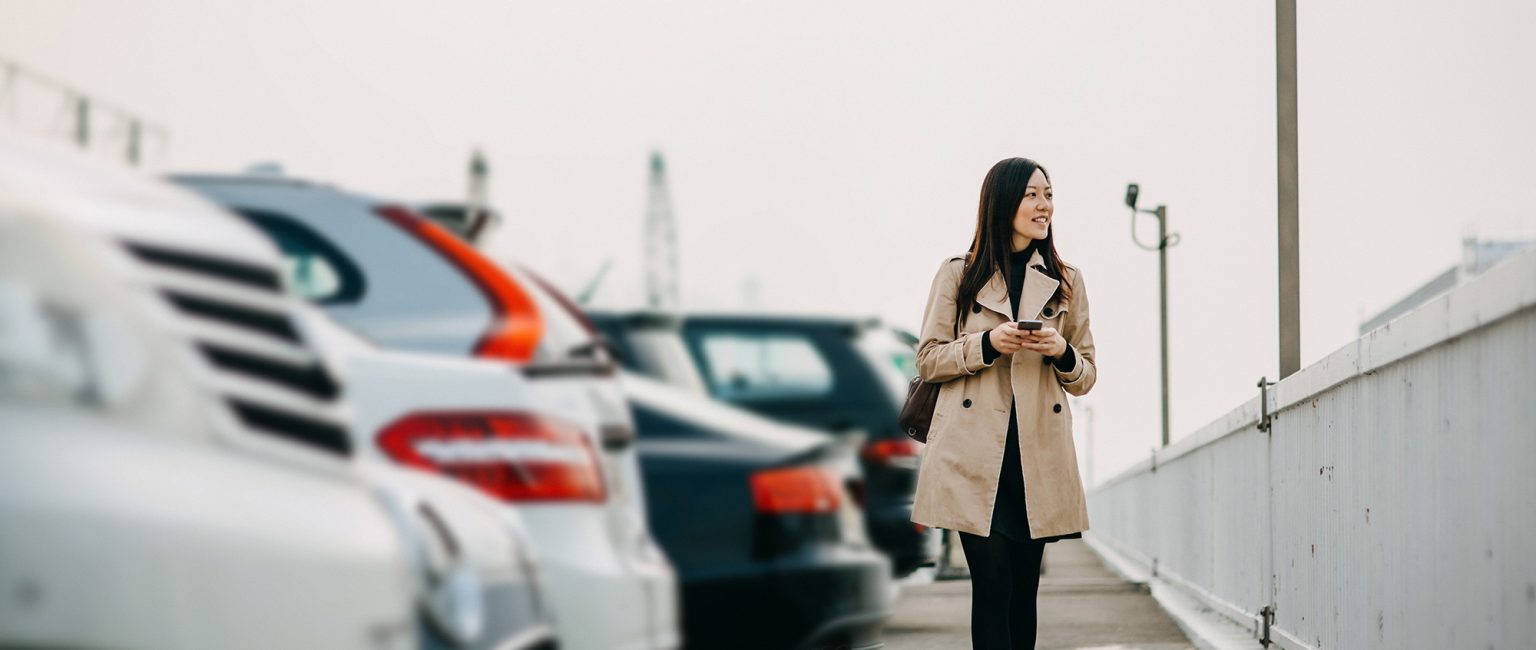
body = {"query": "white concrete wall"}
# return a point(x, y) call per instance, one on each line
point(1393, 502)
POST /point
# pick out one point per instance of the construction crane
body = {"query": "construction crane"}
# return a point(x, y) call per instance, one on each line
point(661, 286)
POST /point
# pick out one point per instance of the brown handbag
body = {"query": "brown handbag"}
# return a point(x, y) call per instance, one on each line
point(922, 397)
point(917, 412)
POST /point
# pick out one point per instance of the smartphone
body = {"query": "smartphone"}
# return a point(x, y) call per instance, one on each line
point(1030, 325)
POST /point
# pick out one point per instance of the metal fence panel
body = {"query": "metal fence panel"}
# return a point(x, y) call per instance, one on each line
point(1391, 505)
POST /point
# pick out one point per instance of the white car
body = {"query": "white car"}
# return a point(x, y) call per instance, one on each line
point(175, 467)
point(559, 446)
point(478, 586)
point(385, 388)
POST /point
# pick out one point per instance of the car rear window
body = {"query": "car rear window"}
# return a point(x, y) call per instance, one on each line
point(408, 297)
point(748, 366)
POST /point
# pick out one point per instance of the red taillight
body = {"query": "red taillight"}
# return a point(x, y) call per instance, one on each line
point(796, 490)
point(893, 451)
point(512, 456)
point(517, 328)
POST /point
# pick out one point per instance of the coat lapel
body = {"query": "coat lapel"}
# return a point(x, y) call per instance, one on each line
point(1038, 289)
point(994, 295)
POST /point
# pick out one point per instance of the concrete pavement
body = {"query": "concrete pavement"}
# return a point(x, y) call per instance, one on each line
point(1082, 606)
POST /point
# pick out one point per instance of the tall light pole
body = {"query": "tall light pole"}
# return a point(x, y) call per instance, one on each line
point(1080, 405)
point(83, 121)
point(1289, 186)
point(1164, 242)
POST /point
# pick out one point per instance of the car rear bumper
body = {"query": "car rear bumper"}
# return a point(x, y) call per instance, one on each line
point(838, 597)
point(603, 597)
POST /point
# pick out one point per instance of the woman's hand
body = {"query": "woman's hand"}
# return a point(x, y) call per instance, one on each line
point(1006, 338)
point(1046, 341)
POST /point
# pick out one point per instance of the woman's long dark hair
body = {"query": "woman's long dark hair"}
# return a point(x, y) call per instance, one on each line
point(1001, 193)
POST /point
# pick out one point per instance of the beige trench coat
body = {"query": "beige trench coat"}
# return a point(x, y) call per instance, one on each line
point(957, 481)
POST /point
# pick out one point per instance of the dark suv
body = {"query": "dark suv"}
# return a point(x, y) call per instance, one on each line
point(844, 376)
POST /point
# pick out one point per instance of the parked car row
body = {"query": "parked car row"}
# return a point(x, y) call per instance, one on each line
point(300, 416)
point(842, 376)
point(178, 467)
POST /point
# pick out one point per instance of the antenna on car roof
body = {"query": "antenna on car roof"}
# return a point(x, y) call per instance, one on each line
point(585, 297)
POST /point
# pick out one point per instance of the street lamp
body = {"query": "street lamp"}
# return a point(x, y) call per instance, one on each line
point(1164, 242)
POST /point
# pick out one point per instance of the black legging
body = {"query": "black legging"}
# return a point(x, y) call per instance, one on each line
point(1005, 578)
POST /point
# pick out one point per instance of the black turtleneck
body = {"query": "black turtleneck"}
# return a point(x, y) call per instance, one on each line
point(1017, 260)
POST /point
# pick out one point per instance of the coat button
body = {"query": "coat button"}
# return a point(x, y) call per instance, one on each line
point(1056, 408)
point(1048, 312)
point(966, 403)
point(976, 309)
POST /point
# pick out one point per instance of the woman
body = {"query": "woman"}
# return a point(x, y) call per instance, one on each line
point(1002, 421)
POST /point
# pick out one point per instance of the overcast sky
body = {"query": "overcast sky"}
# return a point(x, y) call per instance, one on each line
point(830, 153)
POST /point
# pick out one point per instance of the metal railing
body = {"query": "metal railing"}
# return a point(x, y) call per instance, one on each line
point(1391, 502)
point(36, 103)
